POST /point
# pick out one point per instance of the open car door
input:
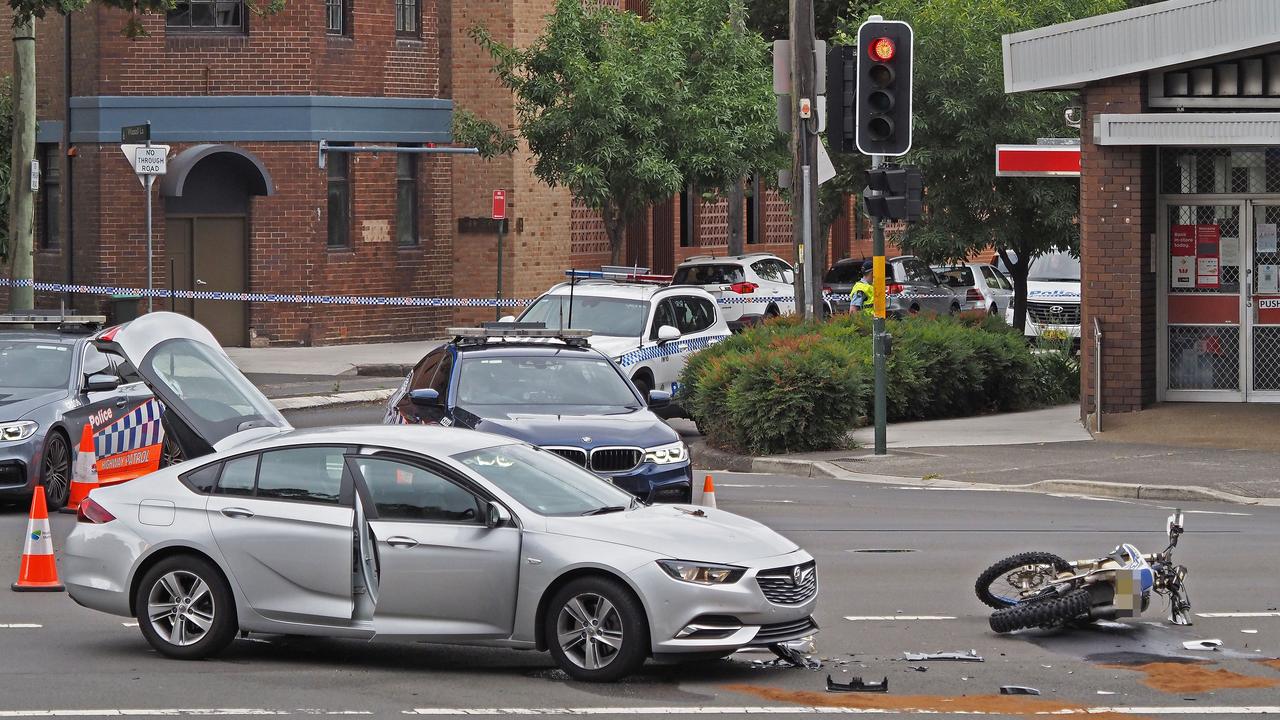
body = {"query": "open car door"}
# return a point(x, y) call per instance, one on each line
point(209, 404)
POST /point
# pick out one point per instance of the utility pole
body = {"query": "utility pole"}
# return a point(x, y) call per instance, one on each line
point(21, 202)
point(879, 353)
point(804, 176)
point(735, 200)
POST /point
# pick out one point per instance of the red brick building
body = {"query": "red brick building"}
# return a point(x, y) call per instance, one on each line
point(245, 102)
point(1180, 195)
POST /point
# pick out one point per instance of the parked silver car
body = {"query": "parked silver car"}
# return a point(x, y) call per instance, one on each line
point(423, 533)
point(983, 286)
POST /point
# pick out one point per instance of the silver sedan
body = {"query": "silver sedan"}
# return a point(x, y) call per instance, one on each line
point(409, 533)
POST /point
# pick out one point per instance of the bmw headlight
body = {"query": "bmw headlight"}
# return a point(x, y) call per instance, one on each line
point(666, 454)
point(702, 573)
point(20, 430)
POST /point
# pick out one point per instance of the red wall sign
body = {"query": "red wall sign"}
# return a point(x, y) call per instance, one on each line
point(1208, 239)
point(499, 204)
point(1268, 310)
point(1183, 257)
point(1038, 160)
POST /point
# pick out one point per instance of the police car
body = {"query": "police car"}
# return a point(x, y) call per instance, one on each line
point(748, 288)
point(648, 328)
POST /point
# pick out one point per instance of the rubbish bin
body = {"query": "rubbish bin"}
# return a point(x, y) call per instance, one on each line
point(124, 307)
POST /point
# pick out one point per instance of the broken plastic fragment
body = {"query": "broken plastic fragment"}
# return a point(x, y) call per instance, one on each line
point(1018, 690)
point(857, 685)
point(971, 656)
point(794, 657)
point(919, 668)
point(1213, 644)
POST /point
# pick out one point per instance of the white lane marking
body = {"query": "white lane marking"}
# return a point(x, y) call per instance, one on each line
point(1238, 614)
point(738, 485)
point(950, 489)
point(775, 502)
point(857, 618)
point(1216, 512)
point(132, 624)
point(20, 626)
point(174, 712)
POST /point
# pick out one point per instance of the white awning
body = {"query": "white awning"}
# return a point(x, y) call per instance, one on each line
point(1187, 129)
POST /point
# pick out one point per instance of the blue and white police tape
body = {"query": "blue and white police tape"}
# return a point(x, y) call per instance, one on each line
point(297, 298)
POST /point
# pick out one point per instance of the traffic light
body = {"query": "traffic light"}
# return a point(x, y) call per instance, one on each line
point(883, 87)
point(895, 193)
point(842, 89)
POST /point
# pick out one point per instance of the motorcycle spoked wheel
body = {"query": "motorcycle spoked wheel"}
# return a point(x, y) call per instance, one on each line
point(1047, 612)
point(1039, 567)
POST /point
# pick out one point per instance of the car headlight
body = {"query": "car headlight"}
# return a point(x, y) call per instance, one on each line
point(666, 454)
point(20, 430)
point(702, 573)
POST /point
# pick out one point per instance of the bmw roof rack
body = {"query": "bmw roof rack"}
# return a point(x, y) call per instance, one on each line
point(68, 324)
point(509, 331)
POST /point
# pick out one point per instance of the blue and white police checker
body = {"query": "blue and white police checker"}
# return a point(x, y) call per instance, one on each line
point(650, 330)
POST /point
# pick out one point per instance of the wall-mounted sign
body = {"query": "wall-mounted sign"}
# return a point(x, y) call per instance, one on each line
point(1208, 239)
point(481, 225)
point(1183, 257)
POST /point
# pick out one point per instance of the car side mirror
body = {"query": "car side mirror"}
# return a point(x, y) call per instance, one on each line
point(100, 382)
point(496, 516)
point(666, 333)
point(425, 398)
point(659, 399)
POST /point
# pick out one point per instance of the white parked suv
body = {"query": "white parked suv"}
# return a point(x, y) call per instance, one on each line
point(1053, 297)
point(748, 288)
point(649, 330)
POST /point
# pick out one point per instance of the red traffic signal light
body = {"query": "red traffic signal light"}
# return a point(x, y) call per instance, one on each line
point(881, 49)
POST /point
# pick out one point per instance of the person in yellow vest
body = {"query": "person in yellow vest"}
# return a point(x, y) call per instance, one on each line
point(862, 296)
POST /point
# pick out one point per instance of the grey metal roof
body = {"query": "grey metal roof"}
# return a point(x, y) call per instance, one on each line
point(1215, 129)
point(1137, 40)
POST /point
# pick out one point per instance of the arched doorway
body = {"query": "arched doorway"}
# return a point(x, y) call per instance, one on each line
point(206, 193)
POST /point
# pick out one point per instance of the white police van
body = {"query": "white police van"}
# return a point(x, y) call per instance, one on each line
point(649, 329)
point(1053, 297)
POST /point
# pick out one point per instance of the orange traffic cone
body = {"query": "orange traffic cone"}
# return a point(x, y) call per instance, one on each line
point(38, 572)
point(84, 473)
point(708, 493)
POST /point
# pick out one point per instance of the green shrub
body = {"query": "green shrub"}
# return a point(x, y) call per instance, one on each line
point(791, 385)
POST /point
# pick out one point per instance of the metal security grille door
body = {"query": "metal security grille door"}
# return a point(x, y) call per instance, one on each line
point(1263, 306)
point(1202, 304)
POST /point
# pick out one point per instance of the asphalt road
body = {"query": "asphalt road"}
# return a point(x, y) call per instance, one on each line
point(883, 552)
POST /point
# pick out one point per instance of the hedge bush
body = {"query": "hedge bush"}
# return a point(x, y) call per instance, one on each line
point(789, 385)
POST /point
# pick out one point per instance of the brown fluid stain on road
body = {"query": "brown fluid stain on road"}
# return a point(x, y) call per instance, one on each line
point(1274, 664)
point(1172, 677)
point(988, 704)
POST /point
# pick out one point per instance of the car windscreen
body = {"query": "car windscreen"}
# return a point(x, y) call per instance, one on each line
point(207, 390)
point(709, 275)
point(546, 380)
point(613, 317)
point(1059, 267)
point(956, 276)
point(28, 364)
point(542, 481)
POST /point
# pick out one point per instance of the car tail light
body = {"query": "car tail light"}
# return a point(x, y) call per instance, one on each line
point(973, 294)
point(744, 288)
point(92, 512)
point(892, 289)
point(826, 290)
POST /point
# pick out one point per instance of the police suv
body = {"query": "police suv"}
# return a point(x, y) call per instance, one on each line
point(649, 329)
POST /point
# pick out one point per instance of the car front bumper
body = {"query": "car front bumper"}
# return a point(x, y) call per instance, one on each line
point(691, 618)
point(671, 483)
point(17, 462)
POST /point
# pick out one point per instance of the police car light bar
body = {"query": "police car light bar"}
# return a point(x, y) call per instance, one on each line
point(623, 273)
point(38, 319)
point(575, 338)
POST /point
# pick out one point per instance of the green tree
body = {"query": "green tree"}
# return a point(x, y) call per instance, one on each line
point(624, 111)
point(962, 112)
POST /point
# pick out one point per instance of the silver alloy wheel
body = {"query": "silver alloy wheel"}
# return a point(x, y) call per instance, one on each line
point(180, 608)
point(589, 629)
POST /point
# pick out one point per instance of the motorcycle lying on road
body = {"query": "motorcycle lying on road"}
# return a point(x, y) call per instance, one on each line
point(1040, 589)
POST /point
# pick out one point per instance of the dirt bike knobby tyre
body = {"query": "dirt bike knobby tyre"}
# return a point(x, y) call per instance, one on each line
point(1038, 613)
point(983, 586)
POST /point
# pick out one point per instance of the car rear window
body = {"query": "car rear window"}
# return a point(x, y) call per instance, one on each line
point(709, 275)
point(956, 276)
point(850, 273)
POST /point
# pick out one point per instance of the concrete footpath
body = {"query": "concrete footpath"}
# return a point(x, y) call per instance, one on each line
point(312, 377)
point(1040, 451)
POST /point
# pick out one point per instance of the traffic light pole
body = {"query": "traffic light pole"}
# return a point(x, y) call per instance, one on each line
point(877, 327)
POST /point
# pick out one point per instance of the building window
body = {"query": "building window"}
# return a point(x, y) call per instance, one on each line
point(407, 17)
point(336, 21)
point(49, 199)
point(339, 199)
point(407, 199)
point(206, 15)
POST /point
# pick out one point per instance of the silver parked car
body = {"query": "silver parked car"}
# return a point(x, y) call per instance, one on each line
point(420, 533)
point(984, 287)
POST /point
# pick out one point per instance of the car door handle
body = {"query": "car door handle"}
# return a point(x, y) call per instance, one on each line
point(235, 512)
point(122, 402)
point(399, 541)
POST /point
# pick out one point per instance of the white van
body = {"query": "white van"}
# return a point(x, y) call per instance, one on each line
point(1053, 296)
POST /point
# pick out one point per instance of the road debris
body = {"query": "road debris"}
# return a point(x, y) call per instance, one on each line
point(1105, 692)
point(1249, 631)
point(1213, 644)
point(857, 685)
point(1018, 690)
point(971, 656)
point(920, 668)
point(794, 657)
